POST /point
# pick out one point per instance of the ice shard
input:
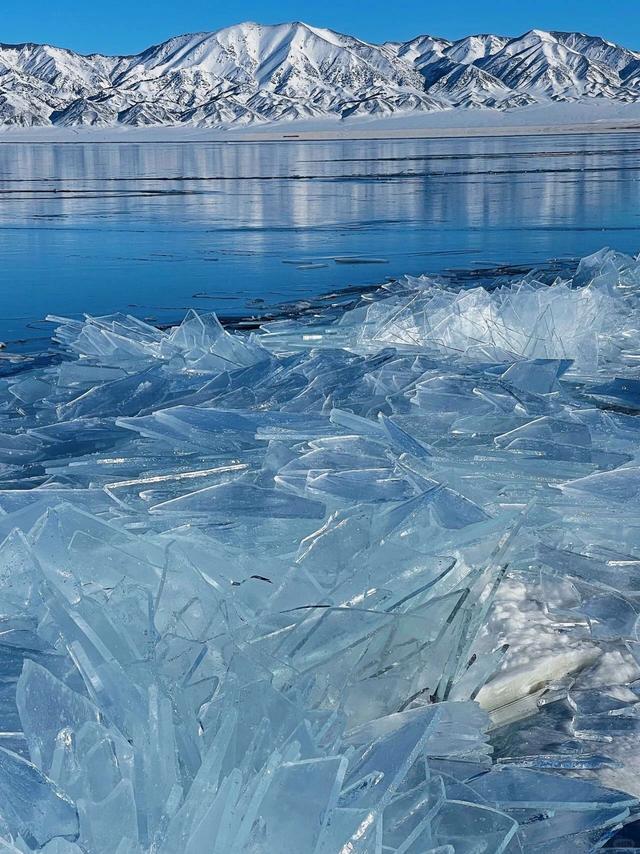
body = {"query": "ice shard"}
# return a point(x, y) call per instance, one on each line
point(363, 581)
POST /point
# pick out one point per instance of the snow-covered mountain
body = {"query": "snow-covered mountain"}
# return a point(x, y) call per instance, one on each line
point(251, 73)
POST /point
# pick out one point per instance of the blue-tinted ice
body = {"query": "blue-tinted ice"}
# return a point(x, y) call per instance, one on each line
point(361, 582)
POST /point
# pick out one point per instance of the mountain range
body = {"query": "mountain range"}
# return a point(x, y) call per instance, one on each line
point(250, 73)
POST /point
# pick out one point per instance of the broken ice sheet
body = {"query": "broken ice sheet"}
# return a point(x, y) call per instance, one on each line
point(32, 804)
point(37, 692)
point(362, 582)
point(316, 783)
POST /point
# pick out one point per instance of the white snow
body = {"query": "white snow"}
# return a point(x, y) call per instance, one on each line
point(250, 74)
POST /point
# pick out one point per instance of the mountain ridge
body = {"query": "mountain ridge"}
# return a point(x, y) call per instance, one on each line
point(251, 74)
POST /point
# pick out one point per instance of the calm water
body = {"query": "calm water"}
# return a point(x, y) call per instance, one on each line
point(154, 229)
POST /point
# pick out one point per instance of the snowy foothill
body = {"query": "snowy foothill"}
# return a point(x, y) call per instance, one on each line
point(581, 117)
point(365, 580)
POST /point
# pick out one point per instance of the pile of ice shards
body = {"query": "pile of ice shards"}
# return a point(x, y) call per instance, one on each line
point(356, 584)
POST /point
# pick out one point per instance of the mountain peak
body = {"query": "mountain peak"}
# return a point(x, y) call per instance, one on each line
point(252, 72)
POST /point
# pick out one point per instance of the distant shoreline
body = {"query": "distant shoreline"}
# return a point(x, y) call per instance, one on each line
point(563, 120)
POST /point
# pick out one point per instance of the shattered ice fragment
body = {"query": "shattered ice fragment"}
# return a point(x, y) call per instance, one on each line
point(32, 804)
point(365, 580)
point(47, 707)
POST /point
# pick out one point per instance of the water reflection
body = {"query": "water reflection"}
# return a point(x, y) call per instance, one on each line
point(144, 227)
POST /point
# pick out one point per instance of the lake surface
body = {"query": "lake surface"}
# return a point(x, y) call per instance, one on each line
point(153, 229)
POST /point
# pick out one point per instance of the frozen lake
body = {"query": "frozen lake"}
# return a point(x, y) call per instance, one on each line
point(153, 229)
point(365, 580)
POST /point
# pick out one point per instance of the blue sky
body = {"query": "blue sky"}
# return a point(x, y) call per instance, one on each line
point(127, 26)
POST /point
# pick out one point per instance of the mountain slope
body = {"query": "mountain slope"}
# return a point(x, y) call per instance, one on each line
point(251, 73)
